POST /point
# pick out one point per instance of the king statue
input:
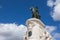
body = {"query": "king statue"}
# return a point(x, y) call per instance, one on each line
point(35, 13)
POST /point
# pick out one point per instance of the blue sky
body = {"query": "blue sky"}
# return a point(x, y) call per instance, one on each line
point(17, 11)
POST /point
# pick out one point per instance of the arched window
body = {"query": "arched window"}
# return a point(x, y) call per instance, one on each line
point(29, 33)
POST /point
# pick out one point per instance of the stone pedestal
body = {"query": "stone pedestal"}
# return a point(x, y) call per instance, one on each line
point(36, 30)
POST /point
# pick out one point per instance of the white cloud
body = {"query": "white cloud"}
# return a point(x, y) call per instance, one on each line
point(50, 29)
point(12, 31)
point(50, 3)
point(2, 38)
point(57, 2)
point(57, 35)
point(16, 32)
point(56, 9)
point(56, 13)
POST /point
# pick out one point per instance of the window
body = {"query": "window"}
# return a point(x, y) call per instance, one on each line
point(29, 33)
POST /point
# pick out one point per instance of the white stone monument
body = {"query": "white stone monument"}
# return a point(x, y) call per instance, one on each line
point(36, 30)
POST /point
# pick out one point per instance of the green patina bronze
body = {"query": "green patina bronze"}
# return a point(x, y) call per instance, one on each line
point(35, 13)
